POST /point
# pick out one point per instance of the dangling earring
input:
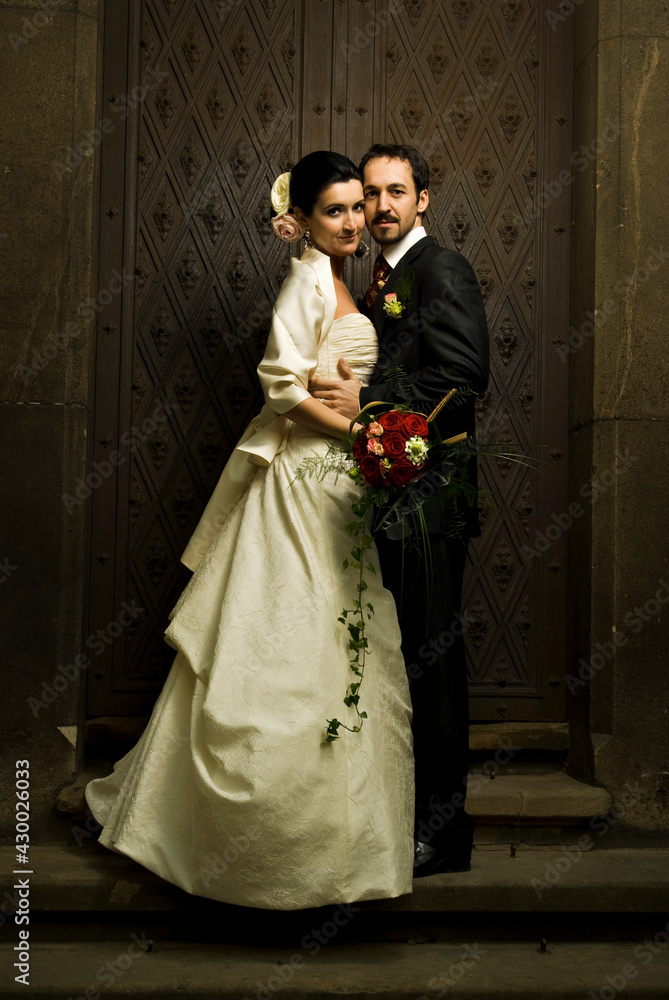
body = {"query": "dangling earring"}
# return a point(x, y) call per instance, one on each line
point(362, 250)
point(307, 236)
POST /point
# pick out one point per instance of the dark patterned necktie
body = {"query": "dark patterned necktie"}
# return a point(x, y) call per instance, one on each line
point(381, 271)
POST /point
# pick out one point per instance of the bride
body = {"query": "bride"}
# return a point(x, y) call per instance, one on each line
point(232, 792)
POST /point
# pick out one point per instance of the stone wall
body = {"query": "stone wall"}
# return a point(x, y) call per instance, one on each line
point(50, 58)
point(619, 406)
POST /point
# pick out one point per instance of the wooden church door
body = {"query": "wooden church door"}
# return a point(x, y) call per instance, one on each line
point(205, 103)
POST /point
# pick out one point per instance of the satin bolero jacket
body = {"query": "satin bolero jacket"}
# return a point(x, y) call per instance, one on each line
point(302, 316)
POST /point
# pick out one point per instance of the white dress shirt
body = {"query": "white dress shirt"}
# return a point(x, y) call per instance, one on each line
point(396, 251)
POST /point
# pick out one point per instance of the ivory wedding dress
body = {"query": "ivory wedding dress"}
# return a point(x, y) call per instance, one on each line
point(231, 792)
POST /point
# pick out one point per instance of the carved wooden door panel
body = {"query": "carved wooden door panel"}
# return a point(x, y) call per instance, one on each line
point(484, 90)
point(208, 101)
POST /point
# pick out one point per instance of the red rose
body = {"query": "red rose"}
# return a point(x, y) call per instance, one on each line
point(415, 424)
point(402, 472)
point(392, 420)
point(360, 446)
point(371, 469)
point(394, 444)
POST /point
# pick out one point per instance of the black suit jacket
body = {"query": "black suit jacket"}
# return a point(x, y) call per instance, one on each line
point(440, 342)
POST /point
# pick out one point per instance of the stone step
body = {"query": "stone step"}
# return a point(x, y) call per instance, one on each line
point(471, 970)
point(533, 795)
point(519, 801)
point(569, 881)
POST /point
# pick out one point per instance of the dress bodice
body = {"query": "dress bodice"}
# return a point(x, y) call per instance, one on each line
point(353, 338)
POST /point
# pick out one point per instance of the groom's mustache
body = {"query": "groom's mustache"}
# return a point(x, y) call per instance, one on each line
point(383, 217)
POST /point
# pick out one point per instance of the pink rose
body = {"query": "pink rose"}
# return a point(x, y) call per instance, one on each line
point(374, 447)
point(287, 228)
point(374, 429)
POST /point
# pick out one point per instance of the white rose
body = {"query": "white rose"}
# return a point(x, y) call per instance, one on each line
point(281, 194)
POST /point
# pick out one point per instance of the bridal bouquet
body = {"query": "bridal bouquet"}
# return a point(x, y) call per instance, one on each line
point(399, 460)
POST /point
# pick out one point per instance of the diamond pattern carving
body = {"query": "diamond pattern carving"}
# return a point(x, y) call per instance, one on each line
point(288, 53)
point(531, 62)
point(478, 134)
point(183, 501)
point(244, 49)
point(162, 329)
point(485, 171)
point(508, 227)
point(503, 566)
point(462, 83)
point(461, 114)
point(485, 277)
point(527, 282)
point(463, 11)
point(192, 159)
point(194, 46)
point(219, 102)
point(414, 9)
point(164, 213)
point(486, 60)
point(210, 445)
point(509, 117)
point(459, 225)
point(506, 339)
point(438, 59)
point(412, 112)
point(511, 10)
point(166, 103)
point(241, 160)
point(189, 272)
point(477, 622)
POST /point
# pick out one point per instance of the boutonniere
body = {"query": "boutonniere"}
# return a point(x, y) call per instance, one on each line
point(394, 303)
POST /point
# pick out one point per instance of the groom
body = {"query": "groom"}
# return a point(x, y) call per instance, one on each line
point(439, 341)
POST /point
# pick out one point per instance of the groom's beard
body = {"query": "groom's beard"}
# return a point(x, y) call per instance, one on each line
point(394, 233)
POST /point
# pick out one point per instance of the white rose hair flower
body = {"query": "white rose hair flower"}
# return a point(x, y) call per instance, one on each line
point(281, 194)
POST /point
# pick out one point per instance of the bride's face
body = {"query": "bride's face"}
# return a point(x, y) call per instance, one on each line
point(338, 219)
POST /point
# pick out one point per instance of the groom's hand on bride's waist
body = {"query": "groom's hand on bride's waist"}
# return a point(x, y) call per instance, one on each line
point(342, 396)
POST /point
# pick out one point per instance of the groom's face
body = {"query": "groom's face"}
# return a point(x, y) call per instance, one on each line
point(392, 208)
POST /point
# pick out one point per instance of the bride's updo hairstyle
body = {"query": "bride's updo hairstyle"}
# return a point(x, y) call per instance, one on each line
point(314, 173)
point(301, 188)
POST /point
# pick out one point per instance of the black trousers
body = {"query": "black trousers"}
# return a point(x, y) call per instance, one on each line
point(434, 654)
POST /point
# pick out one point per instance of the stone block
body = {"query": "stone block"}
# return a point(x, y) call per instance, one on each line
point(546, 799)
